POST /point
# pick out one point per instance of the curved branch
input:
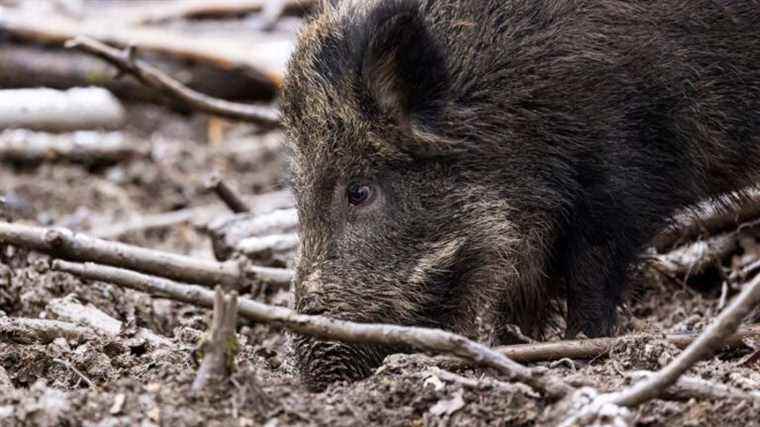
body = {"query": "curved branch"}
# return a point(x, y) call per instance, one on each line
point(125, 61)
point(426, 339)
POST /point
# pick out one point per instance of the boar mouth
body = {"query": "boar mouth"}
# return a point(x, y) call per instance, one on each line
point(322, 363)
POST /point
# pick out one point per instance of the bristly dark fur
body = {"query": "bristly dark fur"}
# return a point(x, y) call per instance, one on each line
point(524, 152)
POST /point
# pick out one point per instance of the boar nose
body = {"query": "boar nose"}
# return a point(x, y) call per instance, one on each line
point(309, 302)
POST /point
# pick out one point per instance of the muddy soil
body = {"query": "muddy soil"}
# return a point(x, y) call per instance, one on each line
point(124, 381)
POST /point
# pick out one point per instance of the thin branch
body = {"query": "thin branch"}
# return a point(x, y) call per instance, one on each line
point(746, 271)
point(264, 116)
point(697, 388)
point(76, 371)
point(705, 345)
point(478, 384)
point(424, 339)
point(65, 244)
point(226, 194)
point(595, 347)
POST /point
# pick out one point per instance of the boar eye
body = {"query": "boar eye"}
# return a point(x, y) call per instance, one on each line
point(359, 194)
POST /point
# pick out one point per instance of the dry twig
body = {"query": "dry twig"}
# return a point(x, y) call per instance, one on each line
point(485, 383)
point(746, 271)
point(591, 348)
point(65, 244)
point(226, 194)
point(425, 339)
point(697, 388)
point(76, 371)
point(263, 116)
point(705, 345)
point(220, 345)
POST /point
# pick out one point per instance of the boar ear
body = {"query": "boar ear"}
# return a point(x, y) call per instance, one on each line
point(403, 67)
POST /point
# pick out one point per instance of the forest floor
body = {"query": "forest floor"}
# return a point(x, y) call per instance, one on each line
point(125, 381)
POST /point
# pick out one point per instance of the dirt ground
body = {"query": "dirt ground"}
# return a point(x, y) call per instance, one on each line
point(124, 381)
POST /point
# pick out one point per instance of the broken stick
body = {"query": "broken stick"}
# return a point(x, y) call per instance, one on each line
point(705, 345)
point(595, 347)
point(697, 388)
point(424, 339)
point(65, 244)
point(263, 116)
point(220, 345)
point(230, 198)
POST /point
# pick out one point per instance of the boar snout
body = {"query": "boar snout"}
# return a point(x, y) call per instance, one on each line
point(324, 362)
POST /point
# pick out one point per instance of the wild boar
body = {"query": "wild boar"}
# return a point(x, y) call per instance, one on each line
point(459, 163)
